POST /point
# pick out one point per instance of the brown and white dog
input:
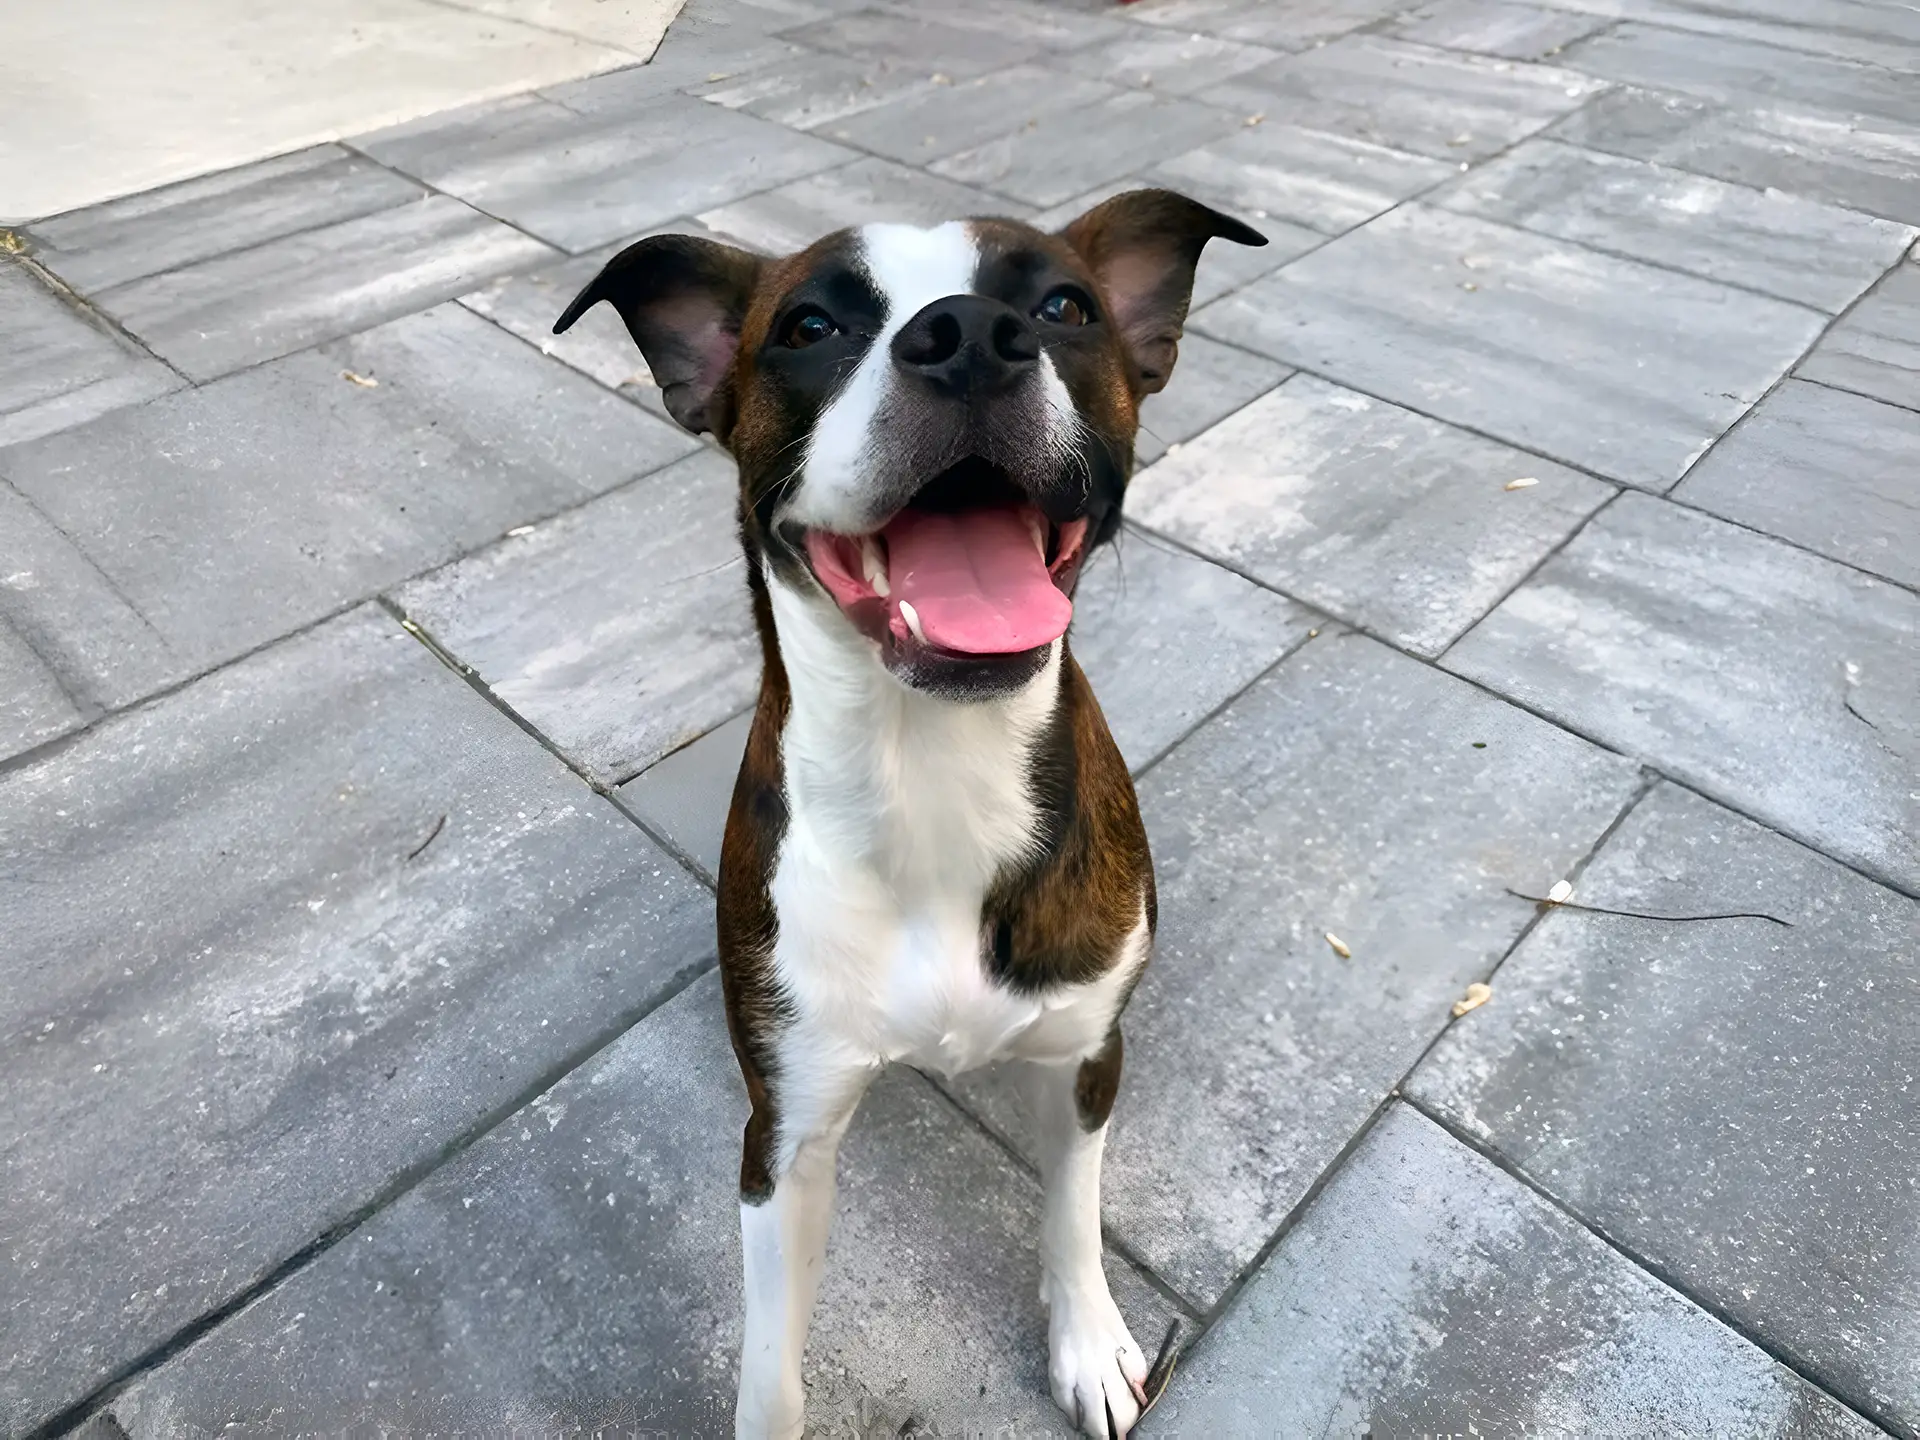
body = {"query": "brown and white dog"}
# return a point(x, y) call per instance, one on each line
point(934, 853)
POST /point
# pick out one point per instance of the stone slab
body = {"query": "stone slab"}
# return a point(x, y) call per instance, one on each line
point(1835, 472)
point(1494, 27)
point(1864, 164)
point(1167, 61)
point(1344, 792)
point(1068, 152)
point(1223, 267)
point(1883, 35)
point(1610, 364)
point(122, 240)
point(1297, 25)
point(579, 1269)
point(634, 26)
point(1325, 182)
point(1782, 245)
point(1699, 1092)
point(1875, 348)
point(231, 311)
point(822, 91)
point(59, 366)
point(231, 514)
point(33, 705)
point(1410, 97)
point(581, 176)
point(275, 941)
point(1374, 514)
point(1426, 1293)
point(620, 630)
point(783, 221)
point(1210, 381)
point(961, 114)
point(685, 796)
point(907, 39)
point(98, 650)
point(1773, 680)
point(1165, 638)
point(1732, 70)
point(1043, 25)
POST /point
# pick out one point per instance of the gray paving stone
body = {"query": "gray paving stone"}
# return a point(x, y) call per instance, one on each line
point(821, 91)
point(619, 630)
point(1169, 62)
point(961, 114)
point(231, 311)
point(60, 367)
point(579, 1267)
point(1042, 24)
point(1410, 97)
point(33, 706)
point(100, 651)
point(1494, 27)
point(1328, 183)
point(1729, 69)
point(780, 222)
point(1819, 255)
point(1426, 1293)
point(583, 177)
point(1773, 680)
point(915, 39)
point(684, 796)
point(1884, 35)
point(1372, 513)
point(1699, 1091)
point(1069, 152)
point(1165, 638)
point(1865, 165)
point(1341, 793)
point(1223, 267)
point(1835, 472)
point(1210, 381)
point(241, 998)
point(1296, 25)
point(1875, 349)
point(231, 514)
point(184, 224)
point(1610, 364)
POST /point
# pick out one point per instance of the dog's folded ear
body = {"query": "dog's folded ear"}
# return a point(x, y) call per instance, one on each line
point(1142, 247)
point(683, 299)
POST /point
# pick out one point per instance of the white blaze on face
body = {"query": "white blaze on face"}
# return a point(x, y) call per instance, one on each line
point(911, 268)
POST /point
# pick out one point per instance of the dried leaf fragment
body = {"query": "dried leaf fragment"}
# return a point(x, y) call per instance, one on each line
point(1476, 996)
point(1561, 892)
point(1525, 482)
point(365, 382)
point(1339, 946)
point(1256, 117)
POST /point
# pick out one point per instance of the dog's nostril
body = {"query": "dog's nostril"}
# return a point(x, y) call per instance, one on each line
point(1014, 339)
point(933, 342)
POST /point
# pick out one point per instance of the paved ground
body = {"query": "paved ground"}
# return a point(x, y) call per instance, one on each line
point(1539, 506)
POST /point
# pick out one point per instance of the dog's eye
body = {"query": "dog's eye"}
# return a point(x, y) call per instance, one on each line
point(1063, 307)
point(809, 327)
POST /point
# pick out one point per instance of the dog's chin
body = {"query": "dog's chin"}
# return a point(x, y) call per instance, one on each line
point(964, 590)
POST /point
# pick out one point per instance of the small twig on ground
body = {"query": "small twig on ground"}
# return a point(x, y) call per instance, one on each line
point(1848, 702)
point(1643, 915)
point(432, 835)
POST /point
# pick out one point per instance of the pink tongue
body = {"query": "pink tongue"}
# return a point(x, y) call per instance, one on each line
point(976, 580)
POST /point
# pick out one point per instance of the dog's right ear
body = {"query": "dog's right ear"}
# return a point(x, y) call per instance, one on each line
point(683, 299)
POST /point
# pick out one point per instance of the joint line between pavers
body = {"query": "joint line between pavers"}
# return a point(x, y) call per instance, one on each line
point(102, 319)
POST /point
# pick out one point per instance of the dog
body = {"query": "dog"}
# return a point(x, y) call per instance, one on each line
point(934, 854)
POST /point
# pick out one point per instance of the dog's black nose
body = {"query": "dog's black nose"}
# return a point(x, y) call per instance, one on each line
point(968, 344)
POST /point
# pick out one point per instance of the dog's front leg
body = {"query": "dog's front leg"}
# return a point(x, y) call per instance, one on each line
point(1098, 1373)
point(783, 1240)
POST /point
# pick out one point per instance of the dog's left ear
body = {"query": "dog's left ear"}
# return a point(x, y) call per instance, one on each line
point(683, 299)
point(1142, 247)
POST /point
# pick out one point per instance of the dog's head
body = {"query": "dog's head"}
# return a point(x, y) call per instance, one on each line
point(933, 426)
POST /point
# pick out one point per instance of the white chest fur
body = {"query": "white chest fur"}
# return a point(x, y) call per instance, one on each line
point(902, 808)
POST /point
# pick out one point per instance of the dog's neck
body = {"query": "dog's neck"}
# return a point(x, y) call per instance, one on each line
point(931, 795)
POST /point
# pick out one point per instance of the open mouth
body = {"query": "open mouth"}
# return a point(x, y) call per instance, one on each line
point(970, 569)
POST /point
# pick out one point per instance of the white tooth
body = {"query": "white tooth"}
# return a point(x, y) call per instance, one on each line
point(912, 617)
point(875, 566)
point(1038, 528)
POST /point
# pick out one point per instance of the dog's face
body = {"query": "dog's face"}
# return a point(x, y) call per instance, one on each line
point(933, 426)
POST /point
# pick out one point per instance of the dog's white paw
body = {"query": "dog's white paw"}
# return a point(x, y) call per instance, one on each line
point(770, 1408)
point(1098, 1373)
